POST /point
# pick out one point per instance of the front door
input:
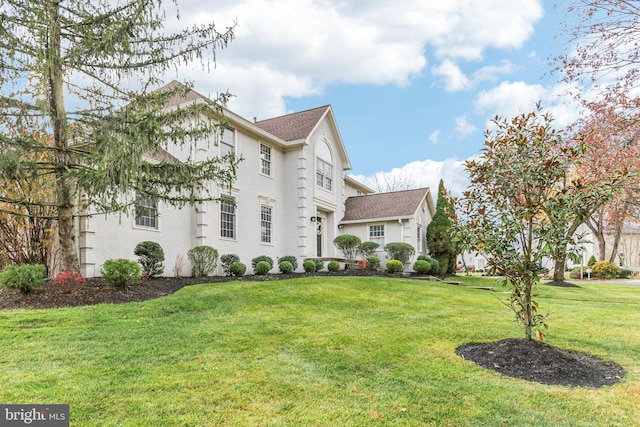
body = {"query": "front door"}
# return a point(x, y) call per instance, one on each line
point(319, 234)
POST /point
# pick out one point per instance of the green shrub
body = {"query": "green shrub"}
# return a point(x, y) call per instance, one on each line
point(577, 273)
point(422, 266)
point(292, 259)
point(204, 260)
point(150, 256)
point(592, 260)
point(309, 265)
point(256, 260)
point(121, 272)
point(394, 266)
point(23, 277)
point(226, 261)
point(333, 266)
point(367, 249)
point(348, 244)
point(262, 268)
point(238, 269)
point(285, 267)
point(625, 273)
point(319, 264)
point(605, 270)
point(423, 258)
point(400, 251)
point(435, 266)
point(373, 262)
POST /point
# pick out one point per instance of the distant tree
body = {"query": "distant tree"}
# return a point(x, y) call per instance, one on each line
point(386, 182)
point(440, 241)
point(85, 71)
point(524, 203)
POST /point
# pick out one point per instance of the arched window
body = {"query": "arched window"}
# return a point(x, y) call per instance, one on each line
point(324, 166)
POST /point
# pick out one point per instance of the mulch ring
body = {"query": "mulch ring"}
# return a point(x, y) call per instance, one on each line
point(540, 362)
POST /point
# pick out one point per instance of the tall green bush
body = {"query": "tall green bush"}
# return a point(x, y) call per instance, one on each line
point(348, 244)
point(204, 260)
point(367, 249)
point(121, 272)
point(150, 256)
point(256, 260)
point(292, 259)
point(400, 251)
point(23, 277)
point(441, 245)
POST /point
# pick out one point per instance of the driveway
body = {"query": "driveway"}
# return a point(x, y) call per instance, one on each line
point(623, 282)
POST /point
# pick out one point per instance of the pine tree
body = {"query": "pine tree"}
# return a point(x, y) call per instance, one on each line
point(440, 243)
point(86, 71)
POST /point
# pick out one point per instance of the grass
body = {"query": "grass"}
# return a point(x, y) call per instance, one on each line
point(315, 351)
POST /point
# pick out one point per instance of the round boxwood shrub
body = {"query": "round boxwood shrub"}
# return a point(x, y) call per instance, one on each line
point(262, 268)
point(150, 256)
point(285, 267)
point(23, 277)
point(422, 267)
point(400, 251)
point(319, 264)
point(121, 272)
point(435, 266)
point(292, 259)
point(394, 266)
point(333, 266)
point(237, 269)
point(309, 265)
point(256, 260)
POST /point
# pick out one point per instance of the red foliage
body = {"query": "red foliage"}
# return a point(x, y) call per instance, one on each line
point(68, 278)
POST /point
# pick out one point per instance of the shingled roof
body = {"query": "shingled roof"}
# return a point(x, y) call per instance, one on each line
point(180, 97)
point(384, 205)
point(295, 126)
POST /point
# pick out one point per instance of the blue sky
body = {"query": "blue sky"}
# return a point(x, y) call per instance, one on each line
point(413, 83)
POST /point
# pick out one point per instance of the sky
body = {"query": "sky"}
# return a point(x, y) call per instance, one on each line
point(413, 84)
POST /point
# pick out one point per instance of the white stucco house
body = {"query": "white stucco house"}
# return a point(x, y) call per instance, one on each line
point(292, 197)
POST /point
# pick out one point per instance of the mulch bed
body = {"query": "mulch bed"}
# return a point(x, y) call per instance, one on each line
point(520, 358)
point(538, 361)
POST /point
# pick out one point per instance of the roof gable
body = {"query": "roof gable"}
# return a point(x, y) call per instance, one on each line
point(384, 205)
point(295, 126)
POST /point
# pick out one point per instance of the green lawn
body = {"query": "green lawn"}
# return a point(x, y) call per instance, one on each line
point(315, 351)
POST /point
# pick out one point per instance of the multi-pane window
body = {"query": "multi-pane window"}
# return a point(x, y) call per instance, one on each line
point(265, 224)
point(419, 238)
point(146, 211)
point(265, 159)
point(227, 141)
point(376, 234)
point(324, 174)
point(228, 217)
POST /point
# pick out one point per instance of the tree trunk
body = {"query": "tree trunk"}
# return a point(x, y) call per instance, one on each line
point(558, 269)
point(598, 231)
point(66, 228)
point(617, 233)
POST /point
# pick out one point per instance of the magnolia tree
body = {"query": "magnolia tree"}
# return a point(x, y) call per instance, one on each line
point(524, 203)
point(86, 72)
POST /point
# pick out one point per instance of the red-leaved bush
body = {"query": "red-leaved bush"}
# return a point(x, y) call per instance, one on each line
point(67, 279)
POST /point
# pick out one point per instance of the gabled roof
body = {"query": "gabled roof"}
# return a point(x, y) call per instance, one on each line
point(396, 204)
point(295, 126)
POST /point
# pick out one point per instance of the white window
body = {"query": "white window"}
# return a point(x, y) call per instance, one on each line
point(146, 211)
point(419, 238)
point(228, 141)
point(265, 223)
point(265, 159)
point(376, 234)
point(228, 217)
point(324, 166)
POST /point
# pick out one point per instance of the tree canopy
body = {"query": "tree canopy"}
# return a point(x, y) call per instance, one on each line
point(86, 73)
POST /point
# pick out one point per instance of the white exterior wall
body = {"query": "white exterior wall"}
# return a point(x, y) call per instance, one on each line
point(290, 191)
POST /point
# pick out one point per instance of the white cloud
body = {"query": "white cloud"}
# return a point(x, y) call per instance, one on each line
point(313, 43)
point(435, 137)
point(425, 173)
point(510, 99)
point(454, 78)
point(463, 127)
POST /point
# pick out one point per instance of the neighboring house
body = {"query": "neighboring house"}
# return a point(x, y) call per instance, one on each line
point(399, 216)
point(288, 199)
